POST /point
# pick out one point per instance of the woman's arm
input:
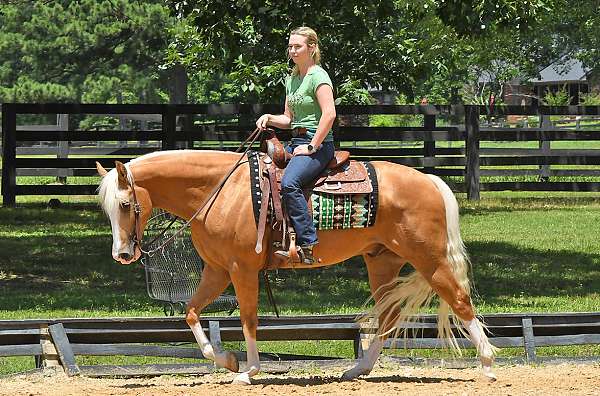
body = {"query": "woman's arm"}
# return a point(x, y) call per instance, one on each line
point(324, 96)
point(281, 121)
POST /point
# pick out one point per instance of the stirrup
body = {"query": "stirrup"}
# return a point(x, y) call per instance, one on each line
point(306, 257)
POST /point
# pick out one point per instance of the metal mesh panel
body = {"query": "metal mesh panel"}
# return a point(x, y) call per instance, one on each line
point(173, 273)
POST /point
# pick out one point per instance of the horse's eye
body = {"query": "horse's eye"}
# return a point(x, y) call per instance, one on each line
point(125, 204)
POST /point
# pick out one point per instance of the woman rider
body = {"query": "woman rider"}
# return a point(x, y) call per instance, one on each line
point(310, 112)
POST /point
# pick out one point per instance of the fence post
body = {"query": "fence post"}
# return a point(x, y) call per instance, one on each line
point(472, 146)
point(143, 127)
point(63, 146)
point(64, 349)
point(9, 148)
point(544, 145)
point(429, 146)
point(188, 126)
point(215, 334)
point(529, 340)
point(169, 127)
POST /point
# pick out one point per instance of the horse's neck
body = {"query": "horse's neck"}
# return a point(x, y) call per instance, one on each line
point(181, 183)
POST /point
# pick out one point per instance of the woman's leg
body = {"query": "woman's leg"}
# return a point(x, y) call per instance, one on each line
point(300, 172)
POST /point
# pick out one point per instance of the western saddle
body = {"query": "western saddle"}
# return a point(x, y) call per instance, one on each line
point(341, 176)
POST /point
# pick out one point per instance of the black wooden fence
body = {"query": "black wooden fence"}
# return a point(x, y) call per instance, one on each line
point(220, 126)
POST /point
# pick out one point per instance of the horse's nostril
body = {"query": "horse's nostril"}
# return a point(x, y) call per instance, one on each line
point(125, 256)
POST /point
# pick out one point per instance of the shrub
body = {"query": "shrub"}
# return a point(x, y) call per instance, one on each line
point(590, 99)
point(558, 98)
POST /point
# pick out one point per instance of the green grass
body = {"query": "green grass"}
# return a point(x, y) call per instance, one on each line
point(57, 262)
point(528, 252)
point(535, 254)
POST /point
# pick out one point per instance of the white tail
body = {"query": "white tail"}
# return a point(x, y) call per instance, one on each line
point(458, 260)
point(407, 295)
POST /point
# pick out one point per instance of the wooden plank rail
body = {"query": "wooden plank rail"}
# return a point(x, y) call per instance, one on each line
point(223, 127)
point(152, 336)
point(64, 349)
point(21, 350)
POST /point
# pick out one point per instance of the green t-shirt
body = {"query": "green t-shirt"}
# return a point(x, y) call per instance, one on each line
point(302, 100)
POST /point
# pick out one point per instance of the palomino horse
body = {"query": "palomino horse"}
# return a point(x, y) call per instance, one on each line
point(417, 223)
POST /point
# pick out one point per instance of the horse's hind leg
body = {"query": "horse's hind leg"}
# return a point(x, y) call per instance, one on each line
point(383, 266)
point(212, 283)
point(444, 283)
point(436, 275)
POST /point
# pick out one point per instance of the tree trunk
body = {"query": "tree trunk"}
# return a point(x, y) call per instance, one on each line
point(178, 85)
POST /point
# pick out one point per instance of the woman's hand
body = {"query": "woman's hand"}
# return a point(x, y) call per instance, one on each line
point(302, 150)
point(263, 122)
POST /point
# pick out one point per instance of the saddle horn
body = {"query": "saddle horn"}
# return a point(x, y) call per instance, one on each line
point(271, 145)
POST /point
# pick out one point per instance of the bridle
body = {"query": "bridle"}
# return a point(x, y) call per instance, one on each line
point(136, 234)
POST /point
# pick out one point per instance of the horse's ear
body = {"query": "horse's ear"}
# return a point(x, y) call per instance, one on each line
point(101, 171)
point(122, 173)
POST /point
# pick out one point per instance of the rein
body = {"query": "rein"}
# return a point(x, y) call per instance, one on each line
point(137, 210)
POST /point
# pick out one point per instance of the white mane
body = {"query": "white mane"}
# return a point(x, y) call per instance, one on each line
point(109, 194)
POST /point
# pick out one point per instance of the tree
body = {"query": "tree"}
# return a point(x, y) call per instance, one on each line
point(247, 40)
point(573, 27)
point(394, 45)
point(482, 17)
point(83, 51)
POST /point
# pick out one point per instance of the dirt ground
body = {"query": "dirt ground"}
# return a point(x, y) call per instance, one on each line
point(562, 379)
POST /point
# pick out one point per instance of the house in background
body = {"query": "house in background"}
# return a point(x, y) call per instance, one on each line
point(568, 73)
point(565, 72)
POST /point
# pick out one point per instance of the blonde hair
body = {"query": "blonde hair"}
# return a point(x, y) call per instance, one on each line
point(311, 40)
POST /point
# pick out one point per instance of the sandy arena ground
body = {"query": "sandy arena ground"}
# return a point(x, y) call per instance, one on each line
point(563, 379)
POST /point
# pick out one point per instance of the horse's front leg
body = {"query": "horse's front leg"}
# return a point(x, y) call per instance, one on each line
point(212, 283)
point(245, 282)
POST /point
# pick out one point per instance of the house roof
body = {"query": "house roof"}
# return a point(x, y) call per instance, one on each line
point(563, 70)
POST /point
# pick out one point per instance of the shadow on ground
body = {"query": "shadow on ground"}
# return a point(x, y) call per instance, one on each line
point(60, 259)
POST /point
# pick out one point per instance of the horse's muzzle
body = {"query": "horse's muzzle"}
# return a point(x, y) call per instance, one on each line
point(126, 258)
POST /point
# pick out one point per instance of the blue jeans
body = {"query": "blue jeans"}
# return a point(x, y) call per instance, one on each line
point(299, 173)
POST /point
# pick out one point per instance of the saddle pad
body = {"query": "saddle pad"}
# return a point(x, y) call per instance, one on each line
point(330, 211)
point(341, 211)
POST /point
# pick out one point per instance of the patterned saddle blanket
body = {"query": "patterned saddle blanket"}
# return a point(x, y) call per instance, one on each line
point(345, 197)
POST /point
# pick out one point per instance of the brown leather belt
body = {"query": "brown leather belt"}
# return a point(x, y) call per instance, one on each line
point(299, 131)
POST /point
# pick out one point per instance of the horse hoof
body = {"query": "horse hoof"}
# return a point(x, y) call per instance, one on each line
point(242, 379)
point(354, 373)
point(489, 374)
point(231, 362)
